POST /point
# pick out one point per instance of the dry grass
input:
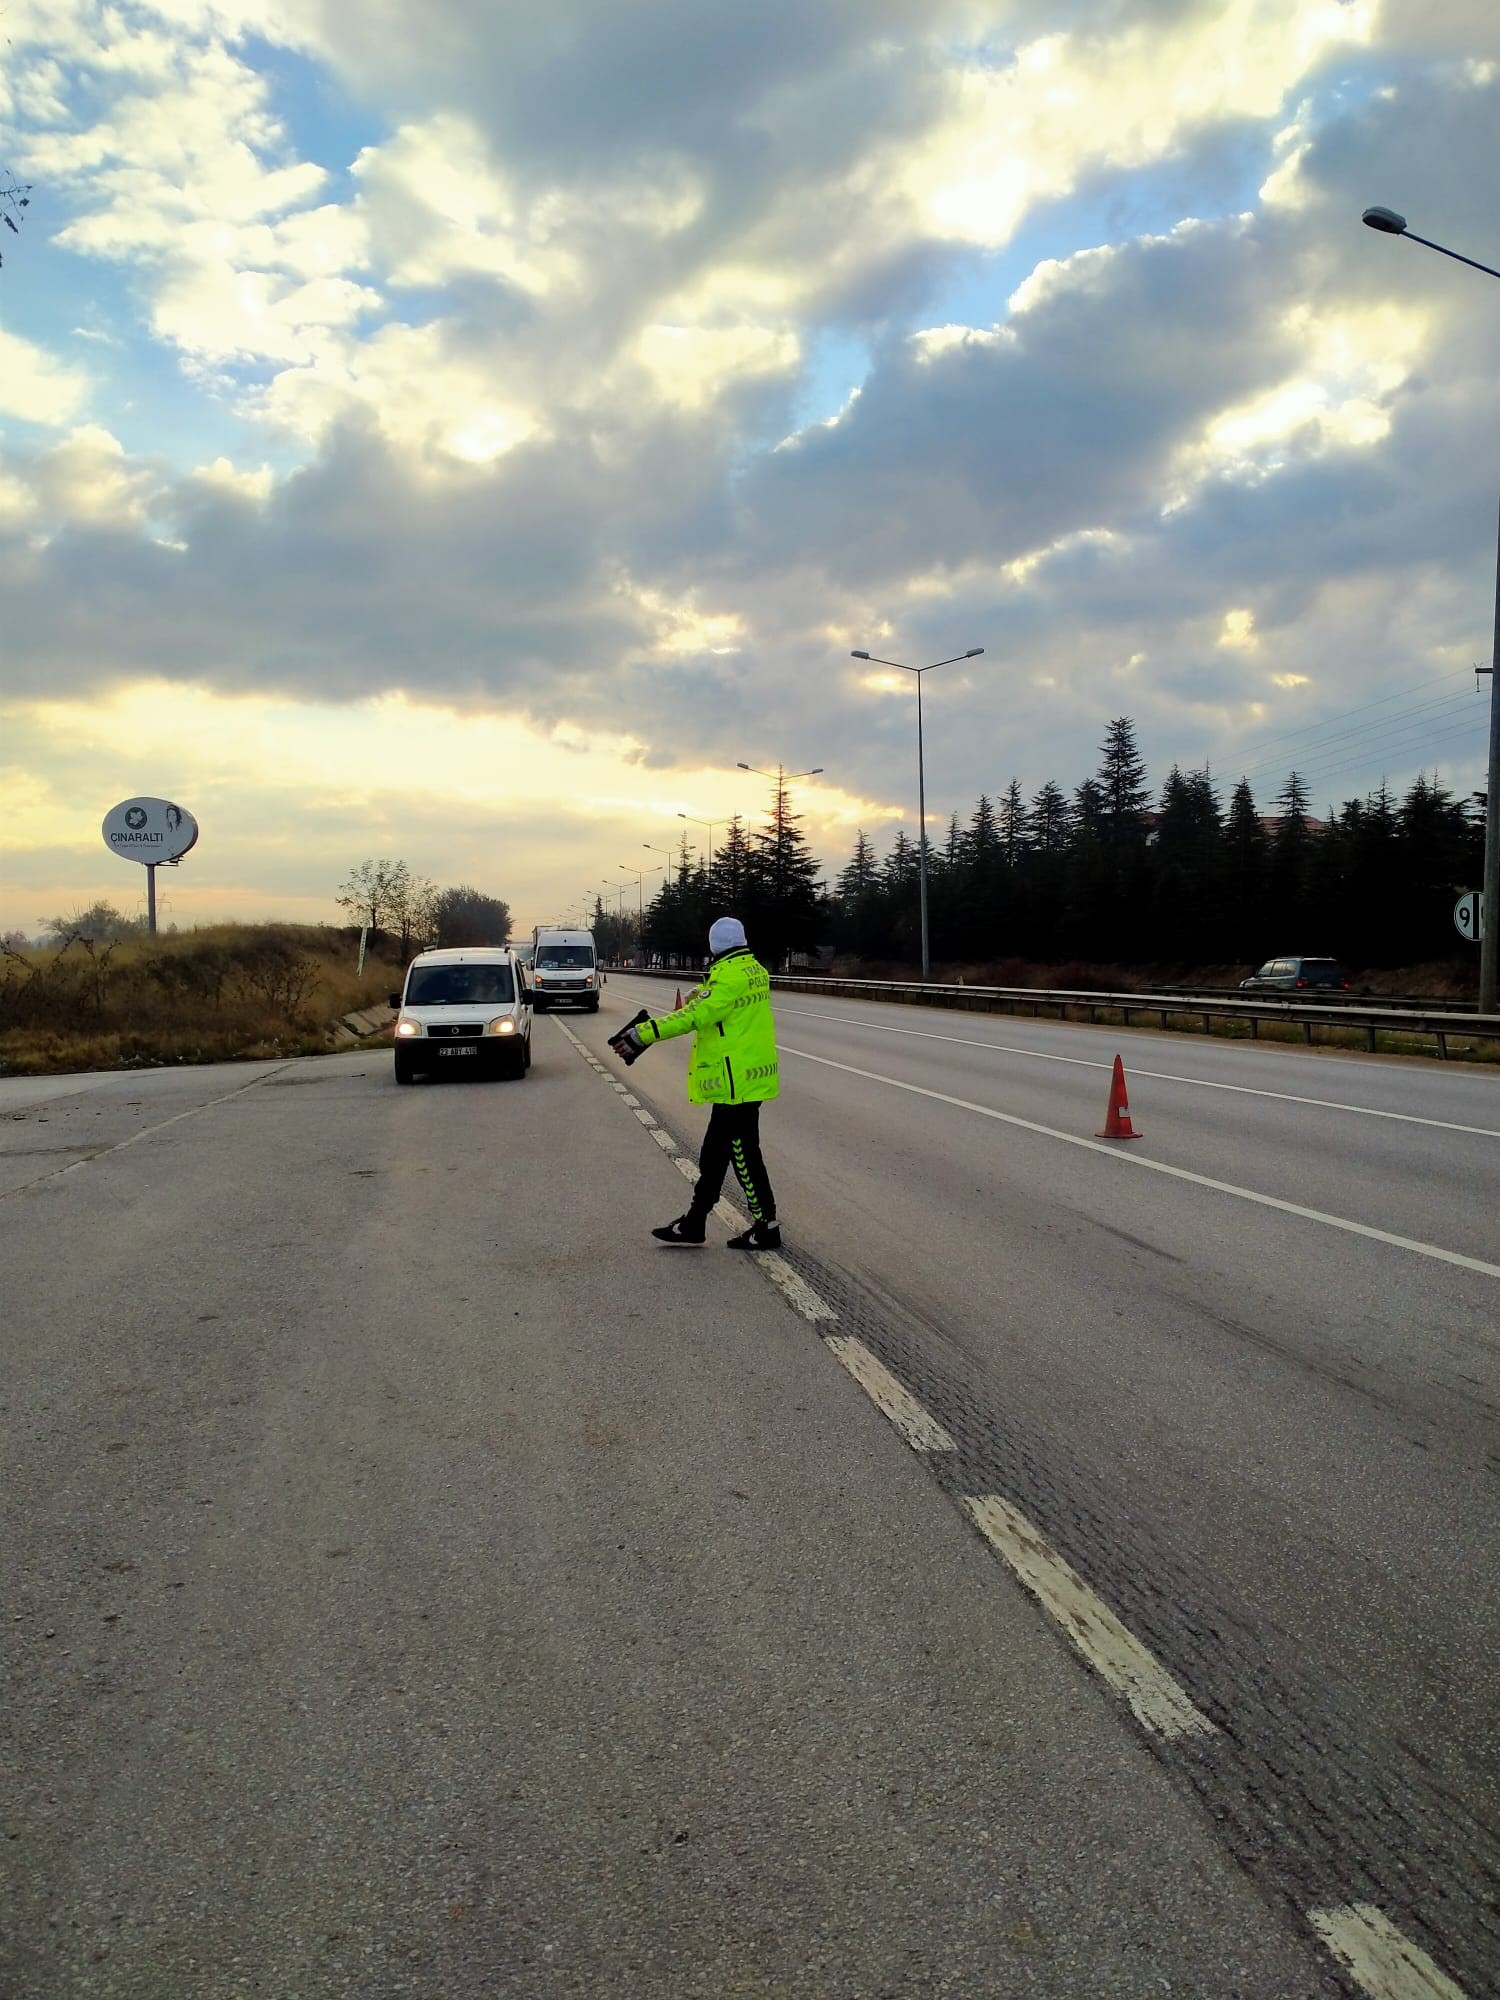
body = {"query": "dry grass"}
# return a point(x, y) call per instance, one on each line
point(214, 995)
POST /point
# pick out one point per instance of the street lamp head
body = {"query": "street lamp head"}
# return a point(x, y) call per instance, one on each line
point(1386, 220)
point(816, 771)
point(973, 652)
point(859, 656)
point(742, 767)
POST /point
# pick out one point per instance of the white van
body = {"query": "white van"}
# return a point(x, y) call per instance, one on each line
point(466, 1008)
point(564, 969)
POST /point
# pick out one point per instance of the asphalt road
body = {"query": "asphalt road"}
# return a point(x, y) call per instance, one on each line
point(1268, 1439)
point(420, 1583)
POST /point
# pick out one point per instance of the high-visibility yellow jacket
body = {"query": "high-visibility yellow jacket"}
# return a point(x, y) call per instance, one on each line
point(734, 1034)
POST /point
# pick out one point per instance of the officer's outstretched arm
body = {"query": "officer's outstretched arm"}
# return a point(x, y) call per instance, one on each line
point(628, 1042)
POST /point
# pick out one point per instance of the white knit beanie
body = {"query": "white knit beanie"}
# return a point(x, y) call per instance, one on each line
point(725, 934)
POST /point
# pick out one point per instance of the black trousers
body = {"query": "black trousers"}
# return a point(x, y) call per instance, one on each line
point(733, 1140)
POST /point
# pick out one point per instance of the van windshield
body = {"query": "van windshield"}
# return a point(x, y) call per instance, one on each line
point(552, 957)
point(458, 986)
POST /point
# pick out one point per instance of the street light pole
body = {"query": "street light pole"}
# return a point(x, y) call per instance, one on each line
point(972, 654)
point(640, 875)
point(1389, 223)
point(710, 824)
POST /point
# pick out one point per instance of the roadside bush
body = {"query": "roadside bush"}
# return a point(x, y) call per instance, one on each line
point(195, 996)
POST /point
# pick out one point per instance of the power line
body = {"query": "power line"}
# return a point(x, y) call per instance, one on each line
point(1399, 752)
point(1306, 730)
point(1438, 709)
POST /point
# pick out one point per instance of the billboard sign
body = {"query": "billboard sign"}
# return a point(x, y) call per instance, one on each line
point(149, 830)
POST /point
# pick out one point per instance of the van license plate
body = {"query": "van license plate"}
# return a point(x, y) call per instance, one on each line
point(460, 1049)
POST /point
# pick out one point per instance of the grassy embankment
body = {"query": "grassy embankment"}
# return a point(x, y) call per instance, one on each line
point(213, 995)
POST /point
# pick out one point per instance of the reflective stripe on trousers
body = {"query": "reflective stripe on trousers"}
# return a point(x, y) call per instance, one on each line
point(733, 1140)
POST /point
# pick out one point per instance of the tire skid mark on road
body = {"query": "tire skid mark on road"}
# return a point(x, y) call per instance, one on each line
point(1374, 1956)
point(103, 1152)
point(1109, 1151)
point(1155, 1075)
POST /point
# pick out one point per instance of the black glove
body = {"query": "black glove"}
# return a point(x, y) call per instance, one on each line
point(627, 1043)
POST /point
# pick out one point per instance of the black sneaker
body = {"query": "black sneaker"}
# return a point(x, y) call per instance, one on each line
point(759, 1236)
point(686, 1229)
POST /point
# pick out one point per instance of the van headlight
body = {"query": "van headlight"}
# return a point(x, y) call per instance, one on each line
point(503, 1026)
point(590, 980)
point(408, 1027)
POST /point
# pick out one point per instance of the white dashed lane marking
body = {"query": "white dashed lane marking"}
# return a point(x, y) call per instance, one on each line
point(1382, 1961)
point(798, 1294)
point(1155, 1699)
point(1432, 1250)
point(1156, 1075)
point(921, 1430)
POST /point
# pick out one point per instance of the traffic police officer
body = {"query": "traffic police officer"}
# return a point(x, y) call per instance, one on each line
point(734, 1070)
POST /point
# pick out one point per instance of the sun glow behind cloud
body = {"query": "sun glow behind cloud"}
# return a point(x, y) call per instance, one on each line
point(269, 779)
point(459, 443)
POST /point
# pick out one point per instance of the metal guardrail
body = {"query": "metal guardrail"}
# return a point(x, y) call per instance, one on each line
point(1326, 996)
point(1066, 1004)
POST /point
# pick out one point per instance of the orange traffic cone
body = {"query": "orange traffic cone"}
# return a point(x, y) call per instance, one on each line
point(1117, 1123)
point(678, 1001)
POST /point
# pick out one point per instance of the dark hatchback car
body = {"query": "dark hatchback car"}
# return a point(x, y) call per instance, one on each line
point(1296, 975)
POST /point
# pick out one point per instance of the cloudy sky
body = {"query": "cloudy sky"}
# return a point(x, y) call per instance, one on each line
point(467, 432)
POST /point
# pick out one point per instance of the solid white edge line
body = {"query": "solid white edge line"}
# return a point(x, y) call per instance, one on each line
point(1380, 1958)
point(892, 1398)
point(146, 1132)
point(1155, 1698)
point(1157, 1075)
point(1432, 1250)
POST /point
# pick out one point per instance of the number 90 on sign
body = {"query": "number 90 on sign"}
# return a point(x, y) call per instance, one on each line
point(1468, 916)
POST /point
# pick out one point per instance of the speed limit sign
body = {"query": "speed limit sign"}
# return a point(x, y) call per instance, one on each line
point(1468, 916)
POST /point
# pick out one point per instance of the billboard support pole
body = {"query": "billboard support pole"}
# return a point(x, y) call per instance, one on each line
point(151, 898)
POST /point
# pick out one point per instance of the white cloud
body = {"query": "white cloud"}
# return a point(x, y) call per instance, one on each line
point(218, 315)
point(87, 479)
point(35, 385)
point(1019, 132)
point(223, 476)
point(691, 366)
point(628, 249)
point(409, 384)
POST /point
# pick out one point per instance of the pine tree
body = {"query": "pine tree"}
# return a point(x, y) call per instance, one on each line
point(860, 873)
point(783, 890)
point(1048, 821)
point(1291, 805)
point(901, 866)
point(1013, 824)
point(952, 854)
point(1122, 785)
point(984, 834)
point(729, 873)
point(1088, 815)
